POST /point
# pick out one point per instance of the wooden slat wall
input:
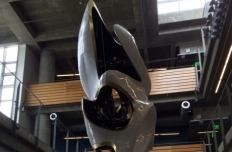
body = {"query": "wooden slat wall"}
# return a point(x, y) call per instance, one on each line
point(163, 82)
point(173, 81)
point(179, 148)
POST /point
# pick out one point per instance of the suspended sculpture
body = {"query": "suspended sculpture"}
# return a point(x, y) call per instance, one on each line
point(105, 65)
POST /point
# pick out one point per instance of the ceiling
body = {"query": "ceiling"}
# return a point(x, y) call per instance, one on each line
point(54, 25)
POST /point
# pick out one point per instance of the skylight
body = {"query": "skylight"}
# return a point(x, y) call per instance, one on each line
point(169, 6)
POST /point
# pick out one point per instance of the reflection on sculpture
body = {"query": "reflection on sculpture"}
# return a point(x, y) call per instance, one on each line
point(105, 65)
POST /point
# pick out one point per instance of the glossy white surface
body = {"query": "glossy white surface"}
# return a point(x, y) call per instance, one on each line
point(86, 57)
point(138, 135)
point(129, 45)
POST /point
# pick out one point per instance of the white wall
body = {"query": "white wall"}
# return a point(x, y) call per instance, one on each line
point(27, 72)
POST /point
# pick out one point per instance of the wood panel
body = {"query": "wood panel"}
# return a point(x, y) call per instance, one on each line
point(179, 148)
point(162, 82)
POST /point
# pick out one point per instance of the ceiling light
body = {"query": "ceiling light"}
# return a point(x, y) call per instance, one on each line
point(156, 134)
point(205, 132)
point(76, 138)
point(67, 75)
point(169, 134)
point(72, 138)
point(224, 68)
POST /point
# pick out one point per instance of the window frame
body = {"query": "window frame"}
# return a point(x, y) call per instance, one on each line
point(3, 65)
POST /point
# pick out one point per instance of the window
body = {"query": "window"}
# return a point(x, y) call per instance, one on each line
point(169, 6)
point(172, 7)
point(8, 57)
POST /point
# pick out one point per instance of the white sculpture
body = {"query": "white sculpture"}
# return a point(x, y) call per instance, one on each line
point(105, 64)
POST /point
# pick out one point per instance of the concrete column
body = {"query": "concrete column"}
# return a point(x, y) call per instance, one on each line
point(47, 67)
point(44, 128)
point(46, 75)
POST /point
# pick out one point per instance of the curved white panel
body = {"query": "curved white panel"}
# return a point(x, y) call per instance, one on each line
point(138, 134)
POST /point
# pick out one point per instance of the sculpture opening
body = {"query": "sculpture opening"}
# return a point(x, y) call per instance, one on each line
point(104, 113)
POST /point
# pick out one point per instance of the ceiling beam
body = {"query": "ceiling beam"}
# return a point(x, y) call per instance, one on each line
point(13, 17)
point(175, 38)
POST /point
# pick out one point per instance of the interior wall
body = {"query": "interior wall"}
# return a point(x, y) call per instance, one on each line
point(27, 72)
point(191, 46)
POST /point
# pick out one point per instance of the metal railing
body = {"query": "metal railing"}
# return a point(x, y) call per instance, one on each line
point(35, 122)
point(216, 134)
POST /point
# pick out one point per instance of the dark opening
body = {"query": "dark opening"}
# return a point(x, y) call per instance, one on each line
point(103, 112)
point(110, 55)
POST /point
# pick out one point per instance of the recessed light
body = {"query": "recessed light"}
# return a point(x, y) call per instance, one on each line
point(205, 132)
point(76, 138)
point(67, 75)
point(169, 134)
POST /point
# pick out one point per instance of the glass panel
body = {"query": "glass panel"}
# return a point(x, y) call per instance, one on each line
point(11, 67)
point(11, 53)
point(8, 80)
point(6, 107)
point(189, 4)
point(168, 7)
point(7, 93)
point(1, 53)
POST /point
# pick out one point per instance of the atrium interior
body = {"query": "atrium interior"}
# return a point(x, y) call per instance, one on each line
point(185, 45)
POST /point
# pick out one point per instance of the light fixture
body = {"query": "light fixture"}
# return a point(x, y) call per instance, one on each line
point(205, 132)
point(169, 134)
point(75, 138)
point(156, 134)
point(223, 70)
point(67, 75)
